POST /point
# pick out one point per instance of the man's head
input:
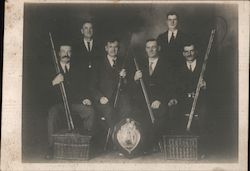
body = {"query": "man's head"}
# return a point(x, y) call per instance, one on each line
point(65, 53)
point(152, 48)
point(189, 52)
point(87, 29)
point(112, 47)
point(172, 20)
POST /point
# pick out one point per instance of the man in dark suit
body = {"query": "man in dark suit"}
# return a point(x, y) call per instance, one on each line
point(103, 85)
point(188, 76)
point(187, 80)
point(78, 98)
point(172, 40)
point(157, 76)
point(87, 50)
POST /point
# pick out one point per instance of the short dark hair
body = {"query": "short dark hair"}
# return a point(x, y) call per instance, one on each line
point(151, 40)
point(189, 43)
point(60, 44)
point(87, 21)
point(172, 13)
point(111, 40)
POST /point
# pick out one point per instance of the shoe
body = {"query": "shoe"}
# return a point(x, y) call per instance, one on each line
point(203, 156)
point(49, 154)
point(121, 155)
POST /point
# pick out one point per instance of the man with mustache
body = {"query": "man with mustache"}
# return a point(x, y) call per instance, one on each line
point(77, 93)
point(172, 40)
point(187, 79)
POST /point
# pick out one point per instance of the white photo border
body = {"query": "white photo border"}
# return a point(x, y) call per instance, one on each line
point(11, 154)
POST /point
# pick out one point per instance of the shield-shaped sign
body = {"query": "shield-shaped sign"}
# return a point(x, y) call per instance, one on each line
point(128, 136)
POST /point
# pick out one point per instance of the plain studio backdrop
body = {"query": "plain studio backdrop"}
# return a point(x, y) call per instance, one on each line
point(145, 21)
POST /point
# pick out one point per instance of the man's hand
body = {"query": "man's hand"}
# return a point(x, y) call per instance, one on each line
point(86, 102)
point(172, 102)
point(58, 79)
point(123, 73)
point(203, 84)
point(156, 104)
point(138, 75)
point(104, 100)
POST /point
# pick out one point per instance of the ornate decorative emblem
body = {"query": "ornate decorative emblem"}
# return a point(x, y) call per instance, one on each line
point(127, 135)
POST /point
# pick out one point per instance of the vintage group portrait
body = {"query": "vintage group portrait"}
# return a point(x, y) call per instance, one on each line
point(125, 83)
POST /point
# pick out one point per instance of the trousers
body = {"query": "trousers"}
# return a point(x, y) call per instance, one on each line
point(82, 116)
point(111, 115)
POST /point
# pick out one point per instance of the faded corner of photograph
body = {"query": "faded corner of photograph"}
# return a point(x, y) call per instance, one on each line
point(130, 83)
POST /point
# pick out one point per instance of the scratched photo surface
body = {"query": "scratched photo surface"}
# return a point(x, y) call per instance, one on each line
point(144, 21)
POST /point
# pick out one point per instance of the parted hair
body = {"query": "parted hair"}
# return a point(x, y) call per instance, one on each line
point(172, 13)
point(112, 40)
point(189, 43)
point(151, 40)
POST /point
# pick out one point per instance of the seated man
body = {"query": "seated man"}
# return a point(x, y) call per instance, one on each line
point(103, 85)
point(187, 78)
point(157, 76)
point(79, 103)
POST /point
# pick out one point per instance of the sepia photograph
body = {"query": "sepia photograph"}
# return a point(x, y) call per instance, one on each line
point(108, 85)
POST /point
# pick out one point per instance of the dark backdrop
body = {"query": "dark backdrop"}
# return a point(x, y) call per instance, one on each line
point(1, 52)
point(145, 21)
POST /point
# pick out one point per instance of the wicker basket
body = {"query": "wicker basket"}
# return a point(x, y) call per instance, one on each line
point(71, 146)
point(181, 147)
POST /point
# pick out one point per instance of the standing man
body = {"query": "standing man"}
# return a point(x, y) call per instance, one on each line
point(87, 49)
point(157, 76)
point(103, 85)
point(172, 40)
point(78, 98)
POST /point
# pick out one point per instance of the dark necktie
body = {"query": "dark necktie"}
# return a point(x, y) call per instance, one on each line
point(114, 63)
point(172, 38)
point(190, 67)
point(66, 74)
point(88, 43)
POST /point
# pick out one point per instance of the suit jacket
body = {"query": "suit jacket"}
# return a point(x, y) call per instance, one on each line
point(172, 51)
point(159, 85)
point(187, 80)
point(84, 59)
point(75, 86)
point(104, 79)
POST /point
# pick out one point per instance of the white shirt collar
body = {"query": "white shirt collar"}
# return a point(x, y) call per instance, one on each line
point(154, 60)
point(86, 44)
point(111, 60)
point(63, 66)
point(193, 64)
point(170, 34)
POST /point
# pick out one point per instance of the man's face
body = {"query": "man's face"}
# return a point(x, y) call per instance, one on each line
point(152, 49)
point(65, 53)
point(87, 30)
point(189, 53)
point(112, 48)
point(172, 22)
